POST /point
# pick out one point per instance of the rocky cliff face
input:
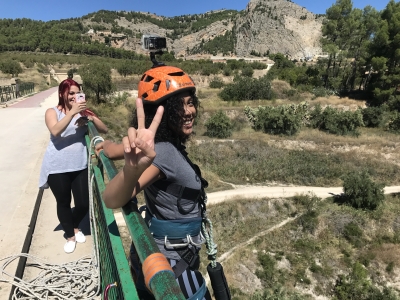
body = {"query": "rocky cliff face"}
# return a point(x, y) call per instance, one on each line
point(265, 26)
point(278, 26)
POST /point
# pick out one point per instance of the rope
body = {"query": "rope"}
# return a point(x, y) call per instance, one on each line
point(73, 280)
point(207, 231)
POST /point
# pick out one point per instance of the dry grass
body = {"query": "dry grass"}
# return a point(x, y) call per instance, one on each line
point(297, 250)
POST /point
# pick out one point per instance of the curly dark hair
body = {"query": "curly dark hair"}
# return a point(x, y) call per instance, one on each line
point(170, 128)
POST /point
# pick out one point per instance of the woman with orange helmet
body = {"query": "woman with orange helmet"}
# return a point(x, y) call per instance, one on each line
point(157, 164)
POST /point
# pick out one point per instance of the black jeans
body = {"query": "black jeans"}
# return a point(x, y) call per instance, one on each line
point(61, 185)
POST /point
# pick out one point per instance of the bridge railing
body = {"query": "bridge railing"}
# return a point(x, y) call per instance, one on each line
point(114, 266)
point(10, 92)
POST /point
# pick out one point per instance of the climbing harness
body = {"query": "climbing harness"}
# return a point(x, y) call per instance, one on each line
point(177, 234)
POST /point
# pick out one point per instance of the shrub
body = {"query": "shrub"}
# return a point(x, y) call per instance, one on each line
point(120, 98)
point(320, 92)
point(360, 191)
point(394, 123)
point(247, 71)
point(284, 119)
point(390, 267)
point(372, 116)
point(247, 89)
point(216, 83)
point(356, 285)
point(267, 263)
point(366, 257)
point(219, 125)
point(227, 71)
point(309, 221)
point(353, 234)
point(335, 121)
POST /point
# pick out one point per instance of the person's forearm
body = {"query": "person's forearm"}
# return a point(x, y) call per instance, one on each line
point(120, 189)
point(61, 125)
point(113, 150)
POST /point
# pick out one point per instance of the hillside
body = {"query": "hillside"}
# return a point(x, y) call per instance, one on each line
point(278, 27)
point(263, 27)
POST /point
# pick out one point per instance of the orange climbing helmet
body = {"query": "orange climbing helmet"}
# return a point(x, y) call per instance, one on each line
point(162, 82)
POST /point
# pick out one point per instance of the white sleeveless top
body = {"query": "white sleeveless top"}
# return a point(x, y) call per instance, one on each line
point(65, 153)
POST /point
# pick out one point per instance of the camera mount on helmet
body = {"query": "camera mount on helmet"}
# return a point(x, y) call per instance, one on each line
point(155, 45)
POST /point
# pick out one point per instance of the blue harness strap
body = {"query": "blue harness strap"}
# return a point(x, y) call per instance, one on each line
point(200, 293)
point(175, 229)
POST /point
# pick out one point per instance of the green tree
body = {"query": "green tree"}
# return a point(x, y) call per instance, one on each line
point(97, 81)
point(11, 67)
point(385, 58)
point(336, 32)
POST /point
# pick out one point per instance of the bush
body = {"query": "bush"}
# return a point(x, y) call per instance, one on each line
point(309, 221)
point(372, 116)
point(247, 89)
point(267, 263)
point(356, 285)
point(335, 121)
point(284, 119)
point(219, 125)
point(120, 98)
point(394, 123)
point(216, 83)
point(353, 234)
point(360, 191)
point(247, 72)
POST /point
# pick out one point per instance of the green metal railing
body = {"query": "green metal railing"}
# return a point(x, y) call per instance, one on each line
point(114, 265)
point(14, 91)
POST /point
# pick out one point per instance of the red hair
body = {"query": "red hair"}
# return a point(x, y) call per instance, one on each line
point(63, 89)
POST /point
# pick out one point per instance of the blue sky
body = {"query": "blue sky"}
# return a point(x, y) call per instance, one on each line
point(46, 10)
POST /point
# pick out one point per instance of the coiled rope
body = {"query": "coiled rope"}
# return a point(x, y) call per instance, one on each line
point(73, 280)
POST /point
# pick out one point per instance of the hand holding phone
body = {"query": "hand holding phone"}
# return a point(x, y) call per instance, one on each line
point(80, 97)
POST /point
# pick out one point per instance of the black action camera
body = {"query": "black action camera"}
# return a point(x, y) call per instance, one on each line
point(153, 43)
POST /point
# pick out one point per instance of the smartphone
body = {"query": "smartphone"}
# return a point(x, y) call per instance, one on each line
point(80, 97)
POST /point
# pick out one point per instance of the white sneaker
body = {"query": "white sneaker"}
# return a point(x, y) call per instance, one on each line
point(80, 237)
point(69, 246)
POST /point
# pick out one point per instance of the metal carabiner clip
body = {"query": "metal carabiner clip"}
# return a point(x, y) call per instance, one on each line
point(202, 240)
point(169, 245)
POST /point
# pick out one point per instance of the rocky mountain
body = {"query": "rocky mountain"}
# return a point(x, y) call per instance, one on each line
point(278, 26)
point(265, 26)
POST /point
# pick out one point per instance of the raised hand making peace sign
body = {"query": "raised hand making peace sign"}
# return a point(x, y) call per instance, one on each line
point(139, 144)
point(138, 147)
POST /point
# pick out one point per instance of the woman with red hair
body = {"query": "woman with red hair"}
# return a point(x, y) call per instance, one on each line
point(64, 167)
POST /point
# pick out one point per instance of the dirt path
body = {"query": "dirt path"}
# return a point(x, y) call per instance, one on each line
point(279, 191)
